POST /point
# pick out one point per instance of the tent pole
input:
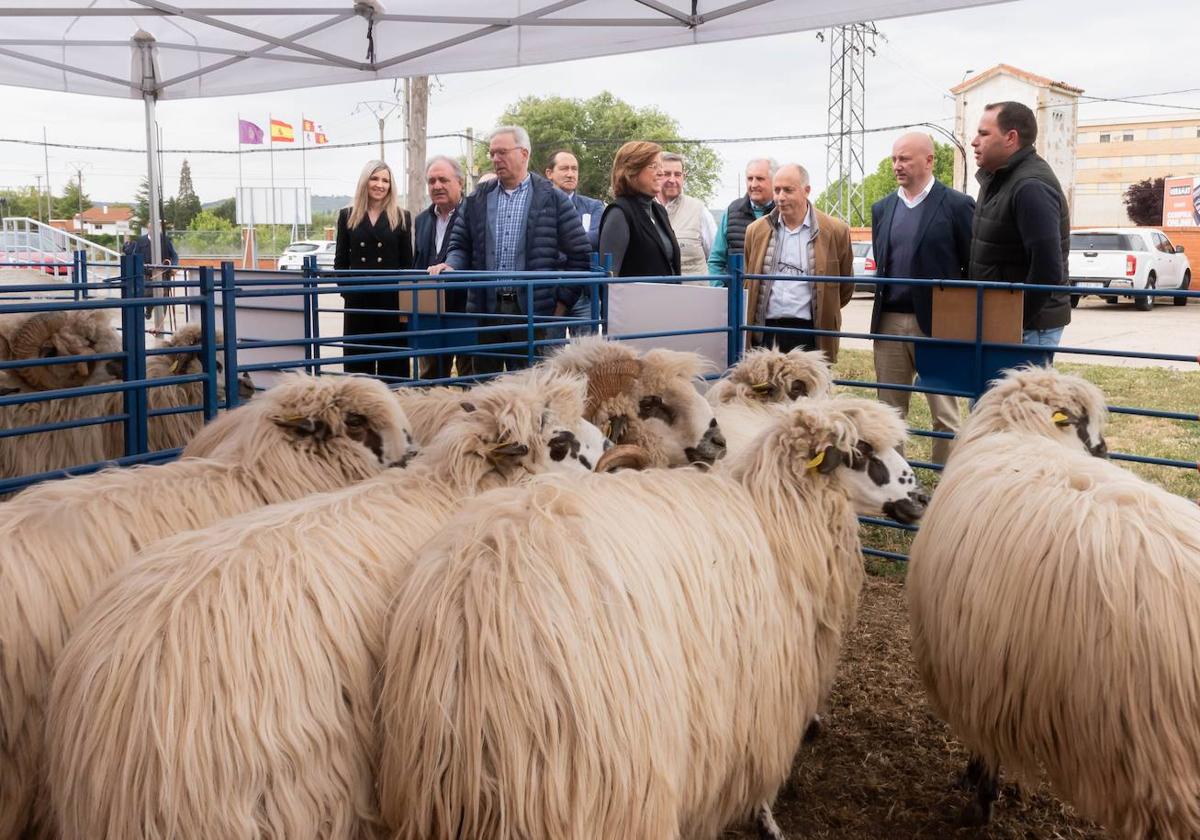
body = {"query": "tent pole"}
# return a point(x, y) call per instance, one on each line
point(150, 99)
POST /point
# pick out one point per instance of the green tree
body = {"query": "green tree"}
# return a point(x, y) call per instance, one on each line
point(72, 201)
point(208, 220)
point(20, 202)
point(1144, 201)
point(593, 129)
point(882, 182)
point(187, 203)
point(227, 210)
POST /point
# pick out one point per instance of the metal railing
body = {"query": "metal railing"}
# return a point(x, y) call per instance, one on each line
point(45, 243)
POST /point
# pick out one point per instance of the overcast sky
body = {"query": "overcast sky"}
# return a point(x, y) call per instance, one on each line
point(766, 86)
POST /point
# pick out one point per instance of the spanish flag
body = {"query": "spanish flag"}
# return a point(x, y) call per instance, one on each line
point(282, 132)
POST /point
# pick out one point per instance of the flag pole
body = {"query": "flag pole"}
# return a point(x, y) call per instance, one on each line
point(271, 155)
point(304, 165)
point(238, 196)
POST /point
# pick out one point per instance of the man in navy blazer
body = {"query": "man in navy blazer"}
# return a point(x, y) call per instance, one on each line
point(923, 230)
point(432, 226)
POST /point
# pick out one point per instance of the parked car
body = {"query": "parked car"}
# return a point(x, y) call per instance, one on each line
point(1112, 260)
point(864, 264)
point(292, 258)
point(33, 250)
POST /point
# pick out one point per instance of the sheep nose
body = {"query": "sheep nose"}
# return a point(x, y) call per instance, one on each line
point(1100, 450)
point(115, 368)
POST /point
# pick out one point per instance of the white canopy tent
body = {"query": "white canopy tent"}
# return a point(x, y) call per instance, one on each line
point(188, 49)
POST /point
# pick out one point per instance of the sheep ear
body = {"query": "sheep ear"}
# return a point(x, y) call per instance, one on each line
point(508, 450)
point(616, 428)
point(305, 427)
point(467, 406)
point(760, 387)
point(182, 362)
point(826, 461)
point(1062, 418)
point(798, 389)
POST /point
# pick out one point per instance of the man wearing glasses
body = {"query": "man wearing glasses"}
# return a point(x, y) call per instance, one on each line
point(797, 240)
point(518, 222)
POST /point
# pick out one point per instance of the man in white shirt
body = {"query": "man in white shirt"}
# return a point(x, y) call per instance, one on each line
point(923, 230)
point(796, 239)
point(694, 226)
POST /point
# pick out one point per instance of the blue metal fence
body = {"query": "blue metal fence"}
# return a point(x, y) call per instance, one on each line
point(431, 331)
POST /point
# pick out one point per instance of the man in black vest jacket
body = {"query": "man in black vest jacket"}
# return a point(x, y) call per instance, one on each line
point(1022, 228)
point(444, 179)
point(756, 203)
point(923, 230)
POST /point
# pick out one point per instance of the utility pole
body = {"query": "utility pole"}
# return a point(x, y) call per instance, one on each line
point(46, 161)
point(39, 196)
point(844, 165)
point(77, 168)
point(381, 110)
point(417, 119)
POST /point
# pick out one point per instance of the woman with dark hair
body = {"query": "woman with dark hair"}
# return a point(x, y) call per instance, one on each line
point(373, 234)
point(635, 228)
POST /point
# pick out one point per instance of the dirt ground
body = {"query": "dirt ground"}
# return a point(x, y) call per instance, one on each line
point(885, 768)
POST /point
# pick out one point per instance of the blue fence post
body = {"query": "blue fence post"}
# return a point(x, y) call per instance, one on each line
point(229, 327)
point(309, 270)
point(980, 385)
point(208, 341)
point(133, 339)
point(733, 351)
point(419, 343)
point(529, 348)
point(79, 274)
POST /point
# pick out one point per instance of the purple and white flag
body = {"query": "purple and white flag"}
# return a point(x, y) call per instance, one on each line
point(249, 133)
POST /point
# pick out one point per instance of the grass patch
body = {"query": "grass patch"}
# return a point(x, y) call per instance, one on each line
point(1156, 388)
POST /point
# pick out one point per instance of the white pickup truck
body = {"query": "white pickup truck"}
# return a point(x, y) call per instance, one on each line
point(1112, 259)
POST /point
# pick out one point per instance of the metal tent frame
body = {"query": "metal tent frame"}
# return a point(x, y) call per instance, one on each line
point(187, 49)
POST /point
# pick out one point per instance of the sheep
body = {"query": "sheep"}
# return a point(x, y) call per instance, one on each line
point(45, 335)
point(636, 655)
point(1027, 405)
point(60, 541)
point(225, 686)
point(1042, 401)
point(1053, 606)
point(649, 400)
point(59, 334)
point(765, 377)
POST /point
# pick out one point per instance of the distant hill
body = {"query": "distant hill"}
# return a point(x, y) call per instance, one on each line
point(320, 203)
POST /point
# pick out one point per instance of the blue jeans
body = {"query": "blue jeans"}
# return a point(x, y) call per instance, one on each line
point(1043, 338)
point(582, 309)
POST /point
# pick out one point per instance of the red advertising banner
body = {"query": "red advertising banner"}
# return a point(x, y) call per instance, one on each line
point(1181, 202)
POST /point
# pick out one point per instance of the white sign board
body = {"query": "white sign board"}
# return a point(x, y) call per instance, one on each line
point(275, 318)
point(636, 308)
point(273, 206)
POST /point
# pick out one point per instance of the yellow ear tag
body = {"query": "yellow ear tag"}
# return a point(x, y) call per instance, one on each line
point(816, 460)
point(1060, 419)
point(760, 387)
point(175, 366)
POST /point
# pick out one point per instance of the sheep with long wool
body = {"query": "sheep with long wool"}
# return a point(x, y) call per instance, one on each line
point(648, 400)
point(638, 655)
point(430, 409)
point(61, 541)
point(1026, 408)
point(762, 378)
point(225, 687)
point(1053, 600)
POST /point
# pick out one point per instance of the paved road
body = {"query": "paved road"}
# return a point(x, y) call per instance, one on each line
point(1096, 324)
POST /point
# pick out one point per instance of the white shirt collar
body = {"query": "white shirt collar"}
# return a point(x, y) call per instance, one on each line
point(911, 203)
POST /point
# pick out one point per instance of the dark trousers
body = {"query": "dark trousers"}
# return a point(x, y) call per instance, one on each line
point(506, 304)
point(385, 319)
point(786, 342)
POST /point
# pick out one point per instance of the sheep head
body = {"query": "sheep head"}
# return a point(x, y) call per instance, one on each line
point(518, 425)
point(648, 401)
point(350, 425)
point(1041, 401)
point(766, 375)
point(189, 360)
point(47, 335)
point(847, 442)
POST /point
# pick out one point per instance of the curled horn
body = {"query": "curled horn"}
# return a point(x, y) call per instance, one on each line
point(27, 343)
point(623, 457)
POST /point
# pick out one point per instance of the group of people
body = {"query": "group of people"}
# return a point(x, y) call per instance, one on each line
point(518, 220)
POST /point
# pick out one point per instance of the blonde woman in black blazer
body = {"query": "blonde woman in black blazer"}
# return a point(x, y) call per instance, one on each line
point(373, 233)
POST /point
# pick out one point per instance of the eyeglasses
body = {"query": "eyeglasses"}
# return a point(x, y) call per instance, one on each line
point(501, 152)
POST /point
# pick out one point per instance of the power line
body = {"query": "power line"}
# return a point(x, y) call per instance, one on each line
point(775, 138)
